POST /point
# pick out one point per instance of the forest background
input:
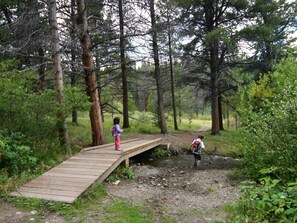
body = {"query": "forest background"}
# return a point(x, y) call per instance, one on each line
point(68, 65)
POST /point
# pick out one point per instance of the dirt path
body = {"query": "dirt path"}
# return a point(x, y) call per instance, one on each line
point(179, 191)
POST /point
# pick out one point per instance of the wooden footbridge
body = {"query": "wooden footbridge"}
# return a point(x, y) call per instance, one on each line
point(67, 181)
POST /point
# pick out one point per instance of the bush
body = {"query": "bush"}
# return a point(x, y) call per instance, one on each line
point(266, 203)
point(160, 152)
point(121, 172)
point(269, 122)
point(25, 109)
point(15, 155)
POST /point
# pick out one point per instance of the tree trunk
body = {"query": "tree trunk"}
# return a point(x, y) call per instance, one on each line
point(215, 129)
point(90, 76)
point(41, 70)
point(73, 56)
point(162, 122)
point(228, 119)
point(59, 85)
point(97, 64)
point(220, 112)
point(123, 67)
point(171, 73)
point(213, 50)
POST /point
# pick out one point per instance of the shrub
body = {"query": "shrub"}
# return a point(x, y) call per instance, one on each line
point(15, 155)
point(121, 172)
point(266, 203)
point(269, 122)
point(160, 152)
point(25, 109)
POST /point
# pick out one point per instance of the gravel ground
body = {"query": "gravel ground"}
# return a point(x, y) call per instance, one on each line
point(187, 195)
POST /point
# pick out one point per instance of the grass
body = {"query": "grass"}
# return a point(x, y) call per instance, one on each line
point(132, 213)
point(96, 200)
point(226, 144)
point(88, 202)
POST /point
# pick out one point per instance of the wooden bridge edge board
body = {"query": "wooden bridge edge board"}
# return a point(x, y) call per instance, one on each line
point(165, 145)
point(71, 186)
point(151, 143)
point(136, 152)
point(66, 199)
point(107, 145)
point(104, 175)
point(48, 192)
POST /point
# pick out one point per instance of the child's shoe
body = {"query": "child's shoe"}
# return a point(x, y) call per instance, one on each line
point(194, 165)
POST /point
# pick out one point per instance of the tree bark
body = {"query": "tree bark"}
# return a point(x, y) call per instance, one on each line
point(220, 112)
point(90, 76)
point(97, 64)
point(73, 56)
point(41, 70)
point(171, 73)
point(213, 48)
point(162, 122)
point(215, 129)
point(123, 67)
point(59, 85)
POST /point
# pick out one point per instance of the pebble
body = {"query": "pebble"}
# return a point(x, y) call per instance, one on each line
point(116, 182)
point(33, 212)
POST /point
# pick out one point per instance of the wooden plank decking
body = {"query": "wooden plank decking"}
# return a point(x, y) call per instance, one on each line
point(67, 181)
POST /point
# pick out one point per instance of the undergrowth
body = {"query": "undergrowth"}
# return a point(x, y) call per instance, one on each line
point(267, 202)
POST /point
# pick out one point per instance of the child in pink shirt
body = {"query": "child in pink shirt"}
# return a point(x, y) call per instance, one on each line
point(117, 133)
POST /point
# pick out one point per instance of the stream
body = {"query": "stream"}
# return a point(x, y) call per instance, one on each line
point(185, 161)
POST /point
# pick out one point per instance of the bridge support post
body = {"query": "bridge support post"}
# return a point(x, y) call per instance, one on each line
point(126, 163)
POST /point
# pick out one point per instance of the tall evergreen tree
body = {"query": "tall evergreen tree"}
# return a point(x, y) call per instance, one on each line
point(157, 73)
point(90, 76)
point(123, 66)
point(268, 34)
point(167, 25)
point(209, 27)
point(73, 55)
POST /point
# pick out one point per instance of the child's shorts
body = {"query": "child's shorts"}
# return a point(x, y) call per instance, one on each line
point(197, 156)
